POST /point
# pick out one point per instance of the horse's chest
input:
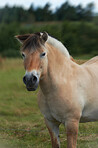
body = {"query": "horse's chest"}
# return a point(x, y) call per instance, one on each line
point(53, 108)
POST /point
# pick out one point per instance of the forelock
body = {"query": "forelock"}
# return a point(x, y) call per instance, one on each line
point(33, 42)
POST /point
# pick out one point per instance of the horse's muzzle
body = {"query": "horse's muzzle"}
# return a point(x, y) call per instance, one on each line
point(31, 82)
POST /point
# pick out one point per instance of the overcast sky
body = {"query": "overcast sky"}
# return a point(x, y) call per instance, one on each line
point(54, 3)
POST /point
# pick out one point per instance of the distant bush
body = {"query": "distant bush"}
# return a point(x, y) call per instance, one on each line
point(7, 41)
point(78, 37)
point(11, 53)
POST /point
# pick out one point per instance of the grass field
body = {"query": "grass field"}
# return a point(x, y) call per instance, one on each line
point(21, 123)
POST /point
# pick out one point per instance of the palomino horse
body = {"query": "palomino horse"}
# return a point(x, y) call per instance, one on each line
point(68, 92)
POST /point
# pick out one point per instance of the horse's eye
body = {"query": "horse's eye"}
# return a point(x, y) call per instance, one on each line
point(42, 54)
point(23, 55)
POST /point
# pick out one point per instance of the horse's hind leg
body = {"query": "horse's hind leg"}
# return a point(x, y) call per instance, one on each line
point(72, 133)
point(53, 129)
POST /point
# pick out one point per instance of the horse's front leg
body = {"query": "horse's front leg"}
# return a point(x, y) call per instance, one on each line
point(72, 133)
point(53, 129)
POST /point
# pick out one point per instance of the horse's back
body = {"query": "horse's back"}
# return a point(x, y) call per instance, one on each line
point(92, 61)
point(91, 67)
point(90, 111)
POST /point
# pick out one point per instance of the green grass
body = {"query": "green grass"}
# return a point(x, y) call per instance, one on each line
point(21, 123)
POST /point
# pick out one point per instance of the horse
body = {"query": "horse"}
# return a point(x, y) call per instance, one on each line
point(68, 92)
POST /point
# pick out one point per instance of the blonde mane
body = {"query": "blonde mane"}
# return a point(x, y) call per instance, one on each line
point(54, 42)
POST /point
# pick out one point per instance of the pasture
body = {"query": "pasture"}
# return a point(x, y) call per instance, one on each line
point(21, 123)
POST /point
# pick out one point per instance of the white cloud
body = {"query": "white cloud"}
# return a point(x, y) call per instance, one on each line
point(25, 3)
point(55, 3)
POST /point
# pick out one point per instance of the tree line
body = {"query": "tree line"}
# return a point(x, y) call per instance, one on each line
point(79, 37)
point(65, 12)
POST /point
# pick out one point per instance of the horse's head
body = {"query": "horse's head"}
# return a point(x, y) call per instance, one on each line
point(34, 54)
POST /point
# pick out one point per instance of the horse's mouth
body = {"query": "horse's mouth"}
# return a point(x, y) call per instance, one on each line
point(32, 88)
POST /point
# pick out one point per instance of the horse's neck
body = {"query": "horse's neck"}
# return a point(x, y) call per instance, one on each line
point(57, 44)
point(57, 70)
point(57, 61)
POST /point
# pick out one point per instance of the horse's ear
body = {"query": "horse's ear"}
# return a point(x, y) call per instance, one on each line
point(44, 36)
point(22, 38)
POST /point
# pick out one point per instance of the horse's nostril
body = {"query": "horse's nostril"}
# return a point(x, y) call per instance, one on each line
point(24, 79)
point(34, 79)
